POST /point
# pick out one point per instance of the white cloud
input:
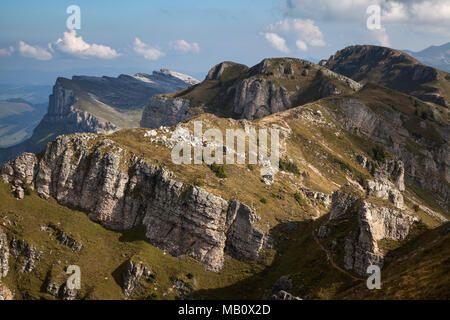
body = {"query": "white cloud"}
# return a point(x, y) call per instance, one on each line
point(301, 31)
point(424, 16)
point(414, 12)
point(381, 36)
point(276, 41)
point(394, 12)
point(432, 11)
point(34, 52)
point(148, 52)
point(301, 45)
point(76, 46)
point(185, 47)
point(6, 52)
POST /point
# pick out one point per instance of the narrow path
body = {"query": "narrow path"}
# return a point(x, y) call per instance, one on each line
point(331, 260)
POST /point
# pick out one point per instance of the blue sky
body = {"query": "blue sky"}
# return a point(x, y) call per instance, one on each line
point(191, 36)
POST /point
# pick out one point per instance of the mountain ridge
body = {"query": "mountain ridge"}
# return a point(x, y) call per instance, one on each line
point(234, 90)
point(97, 104)
point(393, 69)
point(436, 56)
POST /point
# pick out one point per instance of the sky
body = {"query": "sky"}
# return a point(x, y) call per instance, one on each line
point(191, 36)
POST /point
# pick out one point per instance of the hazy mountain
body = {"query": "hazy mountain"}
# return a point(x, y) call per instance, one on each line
point(436, 56)
point(18, 118)
point(97, 104)
point(35, 94)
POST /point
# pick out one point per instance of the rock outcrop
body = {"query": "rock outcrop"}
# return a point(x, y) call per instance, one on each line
point(279, 290)
point(256, 98)
point(4, 254)
point(162, 111)
point(388, 183)
point(429, 168)
point(375, 224)
point(121, 191)
point(63, 238)
point(5, 293)
point(26, 255)
point(57, 285)
point(133, 274)
point(372, 224)
point(243, 239)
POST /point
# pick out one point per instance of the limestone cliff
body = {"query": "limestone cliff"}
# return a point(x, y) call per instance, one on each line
point(4, 255)
point(372, 223)
point(97, 105)
point(422, 146)
point(165, 111)
point(121, 191)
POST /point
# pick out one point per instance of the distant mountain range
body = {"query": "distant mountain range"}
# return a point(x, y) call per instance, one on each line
point(436, 56)
point(34, 94)
point(97, 104)
point(18, 118)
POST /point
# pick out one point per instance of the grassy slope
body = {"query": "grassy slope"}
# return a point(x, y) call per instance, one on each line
point(103, 255)
point(13, 108)
point(318, 154)
point(416, 270)
point(17, 121)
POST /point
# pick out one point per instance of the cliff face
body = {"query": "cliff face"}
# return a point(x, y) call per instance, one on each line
point(97, 105)
point(423, 146)
point(256, 98)
point(4, 255)
point(373, 223)
point(165, 111)
point(61, 111)
point(120, 191)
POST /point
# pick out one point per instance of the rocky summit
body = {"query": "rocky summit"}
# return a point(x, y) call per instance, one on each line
point(362, 180)
point(393, 69)
point(235, 90)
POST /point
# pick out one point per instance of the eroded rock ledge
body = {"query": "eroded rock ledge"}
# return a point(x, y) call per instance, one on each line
point(366, 224)
point(120, 191)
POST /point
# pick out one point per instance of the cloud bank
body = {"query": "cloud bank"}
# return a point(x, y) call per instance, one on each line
point(429, 16)
point(6, 52)
point(183, 46)
point(76, 46)
point(276, 41)
point(148, 52)
point(302, 32)
point(34, 52)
